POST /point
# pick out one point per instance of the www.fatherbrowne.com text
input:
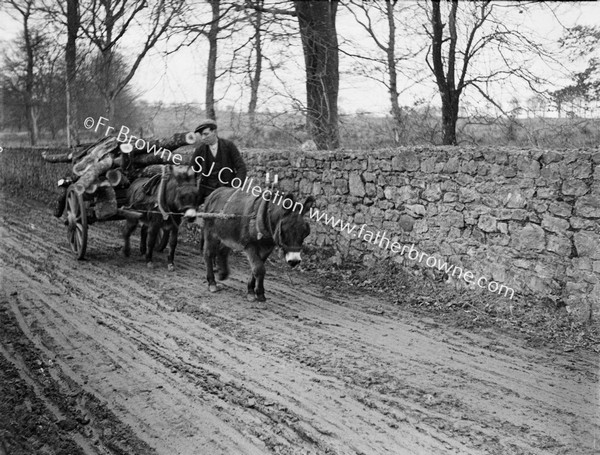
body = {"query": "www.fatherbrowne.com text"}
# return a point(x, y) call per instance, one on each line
point(412, 253)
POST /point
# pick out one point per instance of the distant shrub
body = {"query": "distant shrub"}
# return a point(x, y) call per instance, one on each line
point(23, 172)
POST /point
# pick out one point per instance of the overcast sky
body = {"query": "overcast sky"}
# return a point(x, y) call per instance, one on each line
point(181, 77)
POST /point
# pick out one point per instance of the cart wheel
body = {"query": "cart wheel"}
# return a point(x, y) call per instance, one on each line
point(161, 240)
point(76, 222)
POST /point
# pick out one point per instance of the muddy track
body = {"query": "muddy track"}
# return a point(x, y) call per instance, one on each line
point(190, 372)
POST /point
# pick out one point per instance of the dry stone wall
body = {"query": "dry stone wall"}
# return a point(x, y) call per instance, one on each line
point(526, 219)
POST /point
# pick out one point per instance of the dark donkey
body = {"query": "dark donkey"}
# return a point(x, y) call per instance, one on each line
point(162, 200)
point(257, 229)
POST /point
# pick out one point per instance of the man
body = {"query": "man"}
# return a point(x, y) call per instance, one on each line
point(216, 161)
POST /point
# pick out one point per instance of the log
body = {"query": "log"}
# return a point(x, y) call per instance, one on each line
point(152, 145)
point(148, 159)
point(82, 149)
point(126, 148)
point(115, 177)
point(94, 154)
point(175, 141)
point(59, 158)
point(92, 188)
point(137, 161)
point(105, 204)
point(93, 172)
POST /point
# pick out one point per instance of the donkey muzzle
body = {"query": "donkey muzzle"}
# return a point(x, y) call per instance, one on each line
point(190, 214)
point(293, 258)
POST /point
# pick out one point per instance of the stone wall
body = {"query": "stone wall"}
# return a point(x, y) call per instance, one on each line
point(527, 219)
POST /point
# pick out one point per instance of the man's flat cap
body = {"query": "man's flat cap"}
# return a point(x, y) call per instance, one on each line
point(205, 124)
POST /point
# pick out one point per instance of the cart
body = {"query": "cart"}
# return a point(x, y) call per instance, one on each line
point(80, 214)
point(104, 196)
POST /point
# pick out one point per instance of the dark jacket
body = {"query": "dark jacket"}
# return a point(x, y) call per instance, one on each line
point(228, 156)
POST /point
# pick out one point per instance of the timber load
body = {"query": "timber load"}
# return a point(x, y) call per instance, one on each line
point(106, 168)
point(111, 163)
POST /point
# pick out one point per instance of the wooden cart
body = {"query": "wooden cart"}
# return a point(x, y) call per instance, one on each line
point(92, 194)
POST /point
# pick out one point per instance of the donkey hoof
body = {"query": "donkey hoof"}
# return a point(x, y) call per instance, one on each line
point(250, 297)
point(170, 267)
point(212, 288)
point(222, 276)
point(150, 265)
point(126, 252)
point(261, 298)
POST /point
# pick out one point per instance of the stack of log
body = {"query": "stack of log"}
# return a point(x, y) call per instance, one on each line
point(108, 164)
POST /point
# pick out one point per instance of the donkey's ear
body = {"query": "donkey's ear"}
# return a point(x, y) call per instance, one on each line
point(308, 204)
point(178, 171)
point(283, 203)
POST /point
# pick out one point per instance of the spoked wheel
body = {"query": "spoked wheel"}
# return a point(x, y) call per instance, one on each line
point(77, 226)
point(162, 239)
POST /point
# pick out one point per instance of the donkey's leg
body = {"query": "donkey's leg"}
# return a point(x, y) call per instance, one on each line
point(223, 263)
point(128, 229)
point(152, 235)
point(143, 239)
point(251, 296)
point(211, 245)
point(174, 231)
point(258, 273)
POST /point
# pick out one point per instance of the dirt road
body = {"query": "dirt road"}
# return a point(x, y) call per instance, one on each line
point(147, 361)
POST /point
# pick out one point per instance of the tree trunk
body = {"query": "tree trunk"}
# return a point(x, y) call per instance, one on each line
point(320, 46)
point(29, 81)
point(449, 117)
point(35, 134)
point(255, 75)
point(211, 68)
point(446, 82)
point(109, 108)
point(73, 22)
point(391, 52)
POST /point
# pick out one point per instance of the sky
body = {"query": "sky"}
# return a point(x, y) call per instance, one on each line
point(180, 78)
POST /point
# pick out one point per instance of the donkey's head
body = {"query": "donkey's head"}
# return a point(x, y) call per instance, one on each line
point(290, 227)
point(182, 192)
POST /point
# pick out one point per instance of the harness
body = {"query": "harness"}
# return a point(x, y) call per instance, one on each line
point(274, 234)
point(159, 180)
point(161, 191)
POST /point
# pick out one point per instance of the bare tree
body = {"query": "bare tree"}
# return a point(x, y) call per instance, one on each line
point(73, 23)
point(211, 69)
point(264, 41)
point(319, 42)
point(383, 20)
point(31, 43)
point(458, 41)
point(107, 22)
point(65, 18)
point(256, 21)
point(218, 26)
point(317, 22)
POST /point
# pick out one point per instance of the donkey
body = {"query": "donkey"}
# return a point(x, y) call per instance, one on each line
point(258, 227)
point(161, 202)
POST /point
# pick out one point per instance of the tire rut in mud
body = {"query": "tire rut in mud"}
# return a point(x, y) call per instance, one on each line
point(44, 410)
point(305, 373)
